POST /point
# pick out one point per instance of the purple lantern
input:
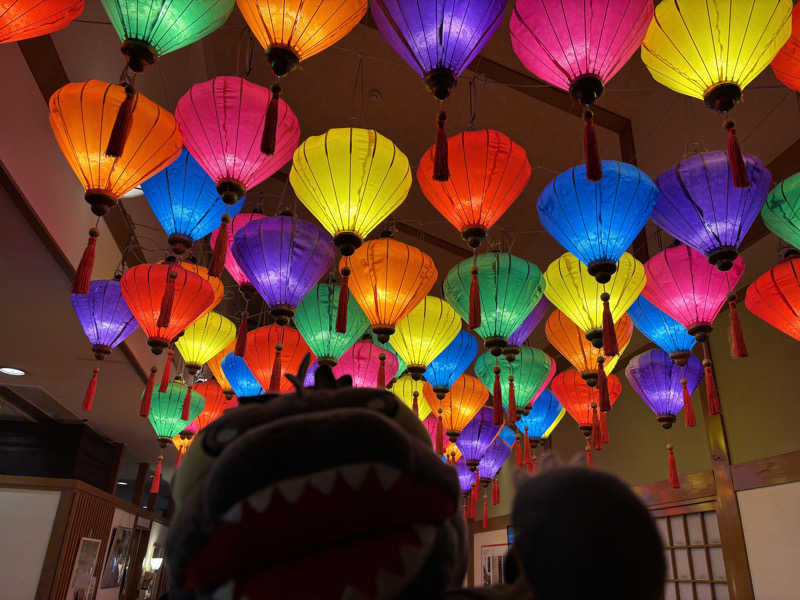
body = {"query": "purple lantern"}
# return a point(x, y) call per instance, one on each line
point(362, 362)
point(465, 477)
point(496, 455)
point(104, 316)
point(477, 436)
point(524, 331)
point(283, 257)
point(700, 205)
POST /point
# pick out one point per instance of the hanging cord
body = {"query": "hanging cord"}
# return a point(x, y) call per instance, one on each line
point(357, 111)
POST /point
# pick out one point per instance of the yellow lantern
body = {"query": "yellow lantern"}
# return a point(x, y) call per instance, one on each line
point(215, 282)
point(204, 339)
point(215, 366)
point(409, 390)
point(425, 333)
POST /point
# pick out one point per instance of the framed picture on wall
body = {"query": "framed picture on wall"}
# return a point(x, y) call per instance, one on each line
point(82, 582)
point(117, 560)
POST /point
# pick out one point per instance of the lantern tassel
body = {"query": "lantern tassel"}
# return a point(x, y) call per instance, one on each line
point(598, 444)
point(181, 452)
point(604, 402)
point(512, 400)
point(497, 398)
point(526, 449)
point(688, 409)
point(122, 123)
point(275, 376)
point(735, 158)
point(415, 403)
point(241, 336)
point(472, 504)
point(83, 276)
point(147, 397)
point(534, 465)
point(165, 313)
point(589, 457)
point(485, 514)
point(157, 477)
point(497, 493)
point(604, 437)
point(381, 370)
point(88, 398)
point(217, 262)
point(738, 347)
point(712, 395)
point(517, 452)
point(439, 435)
point(674, 482)
point(474, 295)
point(344, 298)
point(441, 170)
point(162, 388)
point(610, 344)
point(271, 123)
point(187, 402)
point(594, 168)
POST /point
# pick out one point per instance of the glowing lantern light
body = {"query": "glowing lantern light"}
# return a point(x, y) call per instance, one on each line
point(152, 28)
point(32, 18)
point(222, 120)
point(662, 330)
point(165, 299)
point(531, 322)
point(786, 64)
point(167, 410)
point(666, 388)
point(364, 364)
point(465, 477)
point(215, 403)
point(700, 206)
point(452, 454)
point(388, 279)
point(476, 437)
point(545, 415)
point(579, 47)
point(493, 459)
point(424, 333)
point(205, 338)
point(231, 266)
point(465, 398)
point(781, 211)
point(241, 379)
point(775, 297)
point(410, 391)
point(182, 441)
point(215, 366)
point(451, 363)
point(272, 352)
point(215, 282)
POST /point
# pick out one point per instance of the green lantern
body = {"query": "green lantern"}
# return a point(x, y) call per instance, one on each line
point(781, 211)
point(151, 28)
point(510, 288)
point(315, 319)
point(531, 371)
point(401, 364)
point(166, 410)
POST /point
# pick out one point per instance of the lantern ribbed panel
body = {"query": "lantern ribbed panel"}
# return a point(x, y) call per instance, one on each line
point(786, 64)
point(577, 397)
point(82, 116)
point(362, 362)
point(241, 378)
point(775, 297)
point(305, 27)
point(404, 389)
point(531, 322)
point(488, 172)
point(143, 287)
point(104, 316)
point(477, 435)
point(533, 369)
point(682, 283)
point(575, 292)
point(496, 454)
point(657, 379)
point(571, 342)
point(465, 398)
point(436, 34)
point(260, 354)
point(597, 220)
point(451, 362)
point(234, 226)
point(510, 288)
point(215, 282)
point(781, 211)
point(315, 319)
point(205, 338)
point(388, 279)
point(558, 41)
point(545, 414)
point(215, 366)
point(166, 409)
point(426, 331)
point(465, 477)
point(166, 25)
point(508, 435)
point(700, 206)
point(25, 19)
point(222, 121)
point(686, 54)
point(430, 425)
point(350, 179)
point(215, 403)
point(660, 328)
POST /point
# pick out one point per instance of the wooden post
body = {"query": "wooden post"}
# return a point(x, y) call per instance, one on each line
point(141, 481)
point(113, 474)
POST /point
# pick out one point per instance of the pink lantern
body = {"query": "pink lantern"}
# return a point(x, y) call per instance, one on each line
point(364, 364)
point(222, 122)
point(231, 266)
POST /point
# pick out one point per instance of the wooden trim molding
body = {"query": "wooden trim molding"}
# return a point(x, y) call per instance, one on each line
point(764, 472)
point(695, 487)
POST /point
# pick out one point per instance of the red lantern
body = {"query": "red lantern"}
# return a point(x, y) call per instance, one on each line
point(272, 352)
point(775, 297)
point(216, 403)
point(25, 19)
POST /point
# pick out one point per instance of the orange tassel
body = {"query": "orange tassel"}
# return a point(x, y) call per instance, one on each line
point(439, 435)
point(594, 168)
point(414, 403)
point(88, 398)
point(217, 262)
point(441, 170)
point(162, 388)
point(187, 402)
point(485, 515)
point(147, 397)
point(275, 376)
point(344, 298)
point(474, 297)
point(589, 458)
point(241, 336)
point(610, 344)
point(604, 437)
point(83, 276)
point(735, 158)
point(157, 477)
point(688, 409)
point(497, 398)
point(122, 124)
point(381, 370)
point(271, 123)
point(512, 400)
point(712, 395)
point(674, 482)
point(603, 401)
point(165, 313)
point(738, 348)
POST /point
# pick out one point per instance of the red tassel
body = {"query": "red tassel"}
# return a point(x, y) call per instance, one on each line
point(241, 336)
point(526, 449)
point(512, 400)
point(439, 435)
point(497, 398)
point(217, 262)
point(735, 158)
point(414, 403)
point(712, 395)
point(157, 477)
point(88, 398)
point(594, 168)
point(674, 482)
point(181, 452)
point(534, 465)
point(441, 170)
point(497, 483)
point(688, 409)
point(610, 345)
point(485, 515)
point(83, 276)
point(187, 402)
point(473, 501)
point(271, 123)
point(147, 397)
point(604, 437)
point(738, 348)
point(517, 453)
point(602, 388)
point(589, 457)
point(598, 445)
point(275, 376)
point(344, 298)
point(165, 313)
point(122, 123)
point(466, 510)
point(474, 297)
point(381, 370)
point(162, 388)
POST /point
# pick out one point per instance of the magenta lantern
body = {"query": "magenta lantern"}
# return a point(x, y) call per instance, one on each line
point(231, 266)
point(364, 364)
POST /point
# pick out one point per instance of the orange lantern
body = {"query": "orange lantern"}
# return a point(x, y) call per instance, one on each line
point(216, 403)
point(165, 299)
point(182, 441)
point(25, 19)
point(215, 282)
point(215, 366)
point(465, 398)
point(272, 352)
point(786, 64)
point(388, 279)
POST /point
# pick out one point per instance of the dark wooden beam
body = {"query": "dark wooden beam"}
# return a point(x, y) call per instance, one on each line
point(24, 406)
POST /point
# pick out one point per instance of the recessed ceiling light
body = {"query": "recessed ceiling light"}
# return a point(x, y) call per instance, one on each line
point(121, 483)
point(12, 371)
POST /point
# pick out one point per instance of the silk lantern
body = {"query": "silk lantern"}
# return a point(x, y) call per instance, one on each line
point(596, 221)
point(215, 282)
point(713, 50)
point(152, 28)
point(215, 366)
point(476, 437)
point(168, 410)
point(22, 20)
point(545, 415)
point(410, 391)
point(661, 329)
point(781, 211)
point(205, 338)
point(452, 454)
point(222, 121)
point(367, 364)
point(531, 322)
point(272, 352)
point(579, 47)
point(430, 424)
point(388, 279)
point(775, 297)
point(424, 333)
point(240, 377)
point(231, 266)
point(164, 299)
point(465, 398)
point(699, 205)
point(215, 403)
point(465, 477)
point(666, 388)
point(438, 40)
point(786, 64)
point(182, 441)
point(493, 459)
point(451, 362)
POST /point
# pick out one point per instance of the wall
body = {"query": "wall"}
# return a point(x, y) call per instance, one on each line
point(26, 520)
point(121, 518)
point(485, 538)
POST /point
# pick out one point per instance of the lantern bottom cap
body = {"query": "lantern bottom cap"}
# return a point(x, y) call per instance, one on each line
point(440, 81)
point(452, 436)
point(496, 344)
point(179, 243)
point(282, 59)
point(230, 190)
point(590, 377)
point(680, 358)
point(327, 361)
point(586, 430)
point(700, 331)
point(156, 345)
point(139, 54)
point(164, 441)
point(723, 257)
point(602, 270)
point(193, 368)
point(383, 333)
point(472, 464)
point(586, 89)
point(347, 242)
point(666, 421)
point(100, 201)
point(511, 352)
point(474, 236)
point(282, 313)
point(723, 96)
point(416, 371)
point(101, 351)
point(595, 336)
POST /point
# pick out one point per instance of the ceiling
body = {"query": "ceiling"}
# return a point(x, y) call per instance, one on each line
point(43, 336)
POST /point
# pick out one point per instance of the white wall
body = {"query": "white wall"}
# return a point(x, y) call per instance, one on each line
point(26, 520)
point(121, 519)
point(771, 522)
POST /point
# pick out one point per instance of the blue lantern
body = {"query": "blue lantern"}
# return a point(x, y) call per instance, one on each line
point(543, 417)
point(240, 377)
point(598, 220)
point(661, 329)
point(508, 435)
point(452, 362)
point(186, 203)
